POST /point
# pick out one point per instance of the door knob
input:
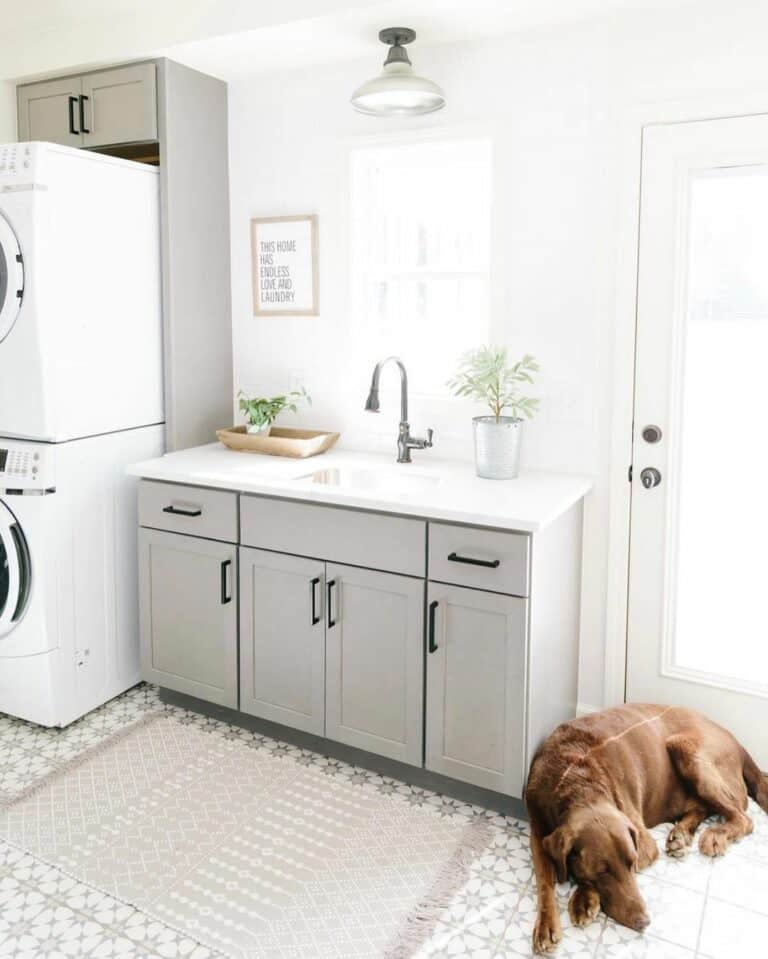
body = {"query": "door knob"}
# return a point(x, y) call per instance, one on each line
point(650, 477)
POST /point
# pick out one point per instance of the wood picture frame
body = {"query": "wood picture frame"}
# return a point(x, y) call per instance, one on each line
point(284, 265)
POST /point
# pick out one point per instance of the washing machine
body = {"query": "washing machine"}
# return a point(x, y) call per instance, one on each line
point(80, 293)
point(69, 633)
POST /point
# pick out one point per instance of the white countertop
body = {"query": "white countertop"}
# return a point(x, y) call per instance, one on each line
point(429, 487)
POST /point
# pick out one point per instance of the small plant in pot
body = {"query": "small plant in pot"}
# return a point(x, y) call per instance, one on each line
point(261, 412)
point(486, 375)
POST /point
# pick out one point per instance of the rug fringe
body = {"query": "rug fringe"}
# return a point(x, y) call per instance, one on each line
point(70, 764)
point(419, 925)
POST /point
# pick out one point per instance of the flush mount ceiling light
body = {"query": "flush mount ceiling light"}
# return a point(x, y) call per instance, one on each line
point(398, 91)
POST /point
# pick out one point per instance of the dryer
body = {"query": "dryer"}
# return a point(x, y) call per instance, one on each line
point(68, 573)
point(80, 293)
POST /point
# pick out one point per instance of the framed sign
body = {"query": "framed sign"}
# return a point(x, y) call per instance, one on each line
point(284, 258)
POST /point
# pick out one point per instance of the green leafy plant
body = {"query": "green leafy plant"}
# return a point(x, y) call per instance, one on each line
point(262, 411)
point(486, 375)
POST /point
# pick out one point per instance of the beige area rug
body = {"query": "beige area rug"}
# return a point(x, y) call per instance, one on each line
point(252, 855)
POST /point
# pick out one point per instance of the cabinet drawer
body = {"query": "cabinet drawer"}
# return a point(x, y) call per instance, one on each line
point(343, 536)
point(480, 558)
point(209, 513)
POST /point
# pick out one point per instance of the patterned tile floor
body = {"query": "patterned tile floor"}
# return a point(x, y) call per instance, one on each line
point(700, 908)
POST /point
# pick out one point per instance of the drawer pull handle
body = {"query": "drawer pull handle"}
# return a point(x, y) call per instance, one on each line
point(226, 595)
point(314, 618)
point(182, 512)
point(331, 622)
point(488, 563)
point(432, 647)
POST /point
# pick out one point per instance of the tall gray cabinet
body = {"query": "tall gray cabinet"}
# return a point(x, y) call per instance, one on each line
point(161, 112)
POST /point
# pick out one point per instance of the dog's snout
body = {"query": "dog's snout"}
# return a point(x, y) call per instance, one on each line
point(641, 922)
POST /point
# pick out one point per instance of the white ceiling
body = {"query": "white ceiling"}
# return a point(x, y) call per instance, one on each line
point(231, 38)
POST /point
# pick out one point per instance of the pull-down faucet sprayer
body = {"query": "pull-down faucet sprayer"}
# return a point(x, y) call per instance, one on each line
point(405, 442)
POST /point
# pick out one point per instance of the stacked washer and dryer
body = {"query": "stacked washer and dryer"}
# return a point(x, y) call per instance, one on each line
point(81, 397)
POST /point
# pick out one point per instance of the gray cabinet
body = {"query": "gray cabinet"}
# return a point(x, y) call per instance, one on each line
point(120, 105)
point(50, 111)
point(374, 661)
point(188, 615)
point(282, 639)
point(475, 710)
point(92, 110)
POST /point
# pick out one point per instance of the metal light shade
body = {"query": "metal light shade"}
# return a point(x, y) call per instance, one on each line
point(398, 91)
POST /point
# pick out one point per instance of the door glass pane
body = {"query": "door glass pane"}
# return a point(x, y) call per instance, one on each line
point(720, 609)
point(4, 578)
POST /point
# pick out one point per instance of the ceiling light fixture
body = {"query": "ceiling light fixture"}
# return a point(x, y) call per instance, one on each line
point(398, 91)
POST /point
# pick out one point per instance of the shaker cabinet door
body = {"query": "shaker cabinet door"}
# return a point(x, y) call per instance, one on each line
point(189, 615)
point(476, 686)
point(50, 111)
point(375, 661)
point(282, 639)
point(120, 105)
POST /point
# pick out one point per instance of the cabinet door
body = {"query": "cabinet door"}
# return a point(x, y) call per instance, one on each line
point(475, 712)
point(189, 615)
point(120, 106)
point(375, 661)
point(282, 639)
point(51, 111)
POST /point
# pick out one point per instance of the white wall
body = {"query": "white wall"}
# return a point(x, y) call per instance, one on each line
point(553, 102)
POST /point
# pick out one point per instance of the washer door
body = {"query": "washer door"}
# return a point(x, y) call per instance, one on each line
point(15, 572)
point(11, 278)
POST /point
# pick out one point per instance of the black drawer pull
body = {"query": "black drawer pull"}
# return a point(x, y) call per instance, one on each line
point(331, 622)
point(83, 127)
point(488, 563)
point(72, 104)
point(226, 596)
point(432, 647)
point(182, 512)
point(314, 618)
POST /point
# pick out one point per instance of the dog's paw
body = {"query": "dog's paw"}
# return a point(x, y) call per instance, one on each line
point(583, 906)
point(714, 841)
point(546, 934)
point(678, 842)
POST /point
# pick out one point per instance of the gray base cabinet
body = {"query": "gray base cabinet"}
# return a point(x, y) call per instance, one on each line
point(189, 615)
point(374, 662)
point(282, 639)
point(476, 686)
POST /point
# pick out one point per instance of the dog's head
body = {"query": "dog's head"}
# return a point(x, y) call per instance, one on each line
point(598, 846)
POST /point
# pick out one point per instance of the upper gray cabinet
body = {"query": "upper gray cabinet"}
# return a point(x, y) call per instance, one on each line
point(50, 111)
point(92, 110)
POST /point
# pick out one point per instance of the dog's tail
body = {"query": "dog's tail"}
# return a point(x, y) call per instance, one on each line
point(756, 780)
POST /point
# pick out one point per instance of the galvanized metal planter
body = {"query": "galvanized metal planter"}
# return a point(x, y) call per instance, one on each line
point(497, 446)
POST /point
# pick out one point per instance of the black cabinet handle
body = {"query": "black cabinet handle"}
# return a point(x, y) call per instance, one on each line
point(226, 596)
point(83, 127)
point(183, 512)
point(72, 103)
point(489, 563)
point(331, 622)
point(432, 616)
point(314, 618)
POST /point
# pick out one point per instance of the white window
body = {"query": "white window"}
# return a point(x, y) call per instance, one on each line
point(420, 251)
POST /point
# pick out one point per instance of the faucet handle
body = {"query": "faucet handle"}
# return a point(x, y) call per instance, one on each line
point(428, 440)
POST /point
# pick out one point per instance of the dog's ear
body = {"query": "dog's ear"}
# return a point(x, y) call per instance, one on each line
point(557, 846)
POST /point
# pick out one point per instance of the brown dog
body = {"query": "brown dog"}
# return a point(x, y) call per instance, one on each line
point(597, 785)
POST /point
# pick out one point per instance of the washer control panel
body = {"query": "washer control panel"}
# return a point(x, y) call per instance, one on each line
point(19, 163)
point(25, 466)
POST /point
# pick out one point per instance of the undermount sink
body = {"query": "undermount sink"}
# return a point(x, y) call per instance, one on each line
point(372, 480)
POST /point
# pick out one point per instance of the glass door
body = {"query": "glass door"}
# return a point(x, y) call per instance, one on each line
point(698, 616)
point(15, 572)
point(11, 278)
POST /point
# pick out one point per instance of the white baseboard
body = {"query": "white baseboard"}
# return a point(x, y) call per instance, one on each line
point(584, 709)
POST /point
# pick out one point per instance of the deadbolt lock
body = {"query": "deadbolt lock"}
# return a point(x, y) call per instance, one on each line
point(650, 477)
point(652, 434)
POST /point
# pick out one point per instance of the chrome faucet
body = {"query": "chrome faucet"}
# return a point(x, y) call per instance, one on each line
point(405, 442)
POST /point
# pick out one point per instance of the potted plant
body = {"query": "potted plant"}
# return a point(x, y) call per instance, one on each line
point(261, 412)
point(486, 375)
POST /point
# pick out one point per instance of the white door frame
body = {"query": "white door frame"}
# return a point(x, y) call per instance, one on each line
point(629, 155)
